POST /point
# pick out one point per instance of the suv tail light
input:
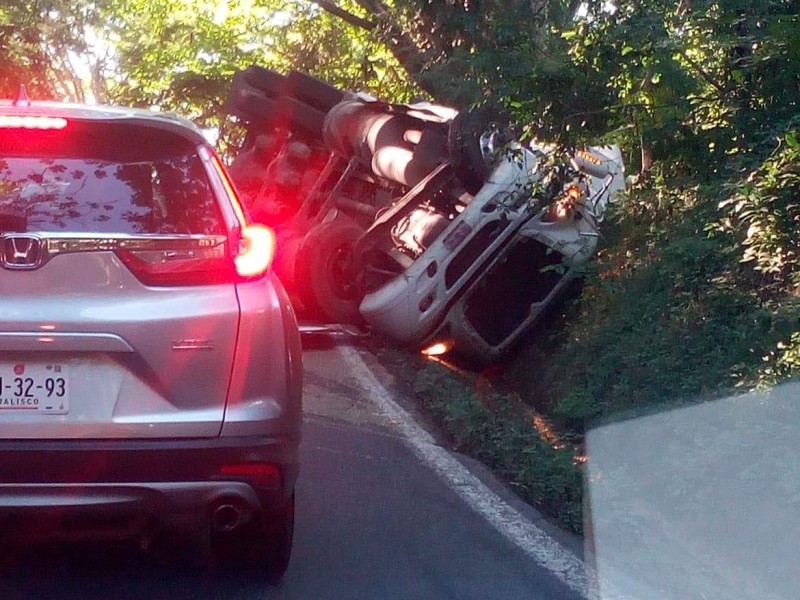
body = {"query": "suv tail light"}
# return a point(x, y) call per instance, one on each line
point(256, 251)
point(196, 266)
point(206, 262)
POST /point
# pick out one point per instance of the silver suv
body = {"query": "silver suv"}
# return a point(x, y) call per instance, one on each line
point(150, 366)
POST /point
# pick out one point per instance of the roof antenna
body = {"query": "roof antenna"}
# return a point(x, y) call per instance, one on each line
point(22, 99)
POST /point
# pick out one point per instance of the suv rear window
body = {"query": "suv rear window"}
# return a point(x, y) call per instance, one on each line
point(104, 178)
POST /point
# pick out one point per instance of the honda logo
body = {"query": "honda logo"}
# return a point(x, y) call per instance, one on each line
point(22, 252)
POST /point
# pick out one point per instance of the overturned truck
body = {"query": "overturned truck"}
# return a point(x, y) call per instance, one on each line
point(434, 227)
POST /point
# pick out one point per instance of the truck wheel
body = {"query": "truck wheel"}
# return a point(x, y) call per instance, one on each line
point(463, 143)
point(248, 102)
point(324, 270)
point(268, 81)
point(313, 91)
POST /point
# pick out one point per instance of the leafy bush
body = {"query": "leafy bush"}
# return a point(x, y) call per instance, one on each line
point(666, 314)
point(765, 213)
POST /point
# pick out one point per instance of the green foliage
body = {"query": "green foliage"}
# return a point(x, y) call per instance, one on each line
point(38, 41)
point(180, 55)
point(491, 427)
point(695, 84)
point(316, 41)
point(765, 212)
point(177, 54)
point(694, 292)
point(686, 301)
point(671, 328)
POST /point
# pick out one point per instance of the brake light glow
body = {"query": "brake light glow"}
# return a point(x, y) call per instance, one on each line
point(256, 251)
point(31, 122)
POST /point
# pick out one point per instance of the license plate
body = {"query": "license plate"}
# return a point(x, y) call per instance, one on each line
point(34, 388)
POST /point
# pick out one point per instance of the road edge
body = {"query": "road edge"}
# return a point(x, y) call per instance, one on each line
point(536, 543)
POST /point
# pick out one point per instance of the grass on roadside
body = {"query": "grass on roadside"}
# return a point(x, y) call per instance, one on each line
point(492, 427)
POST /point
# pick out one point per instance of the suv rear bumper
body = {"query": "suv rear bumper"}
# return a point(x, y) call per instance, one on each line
point(72, 485)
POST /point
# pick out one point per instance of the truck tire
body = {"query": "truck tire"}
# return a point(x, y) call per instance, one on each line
point(268, 81)
point(248, 102)
point(323, 269)
point(463, 144)
point(313, 91)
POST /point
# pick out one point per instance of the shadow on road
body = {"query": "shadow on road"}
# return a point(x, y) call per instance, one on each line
point(107, 571)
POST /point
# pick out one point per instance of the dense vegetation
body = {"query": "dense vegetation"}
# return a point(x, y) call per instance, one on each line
point(695, 290)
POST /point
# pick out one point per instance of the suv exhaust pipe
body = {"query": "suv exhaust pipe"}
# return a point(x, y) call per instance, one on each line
point(227, 517)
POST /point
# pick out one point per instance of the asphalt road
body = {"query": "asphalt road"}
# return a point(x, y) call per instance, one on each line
point(373, 522)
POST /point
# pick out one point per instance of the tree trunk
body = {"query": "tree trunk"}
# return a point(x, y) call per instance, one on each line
point(414, 54)
point(436, 42)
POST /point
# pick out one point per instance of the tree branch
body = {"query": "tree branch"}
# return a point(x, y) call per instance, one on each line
point(373, 7)
point(63, 74)
point(572, 9)
point(346, 16)
point(702, 72)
